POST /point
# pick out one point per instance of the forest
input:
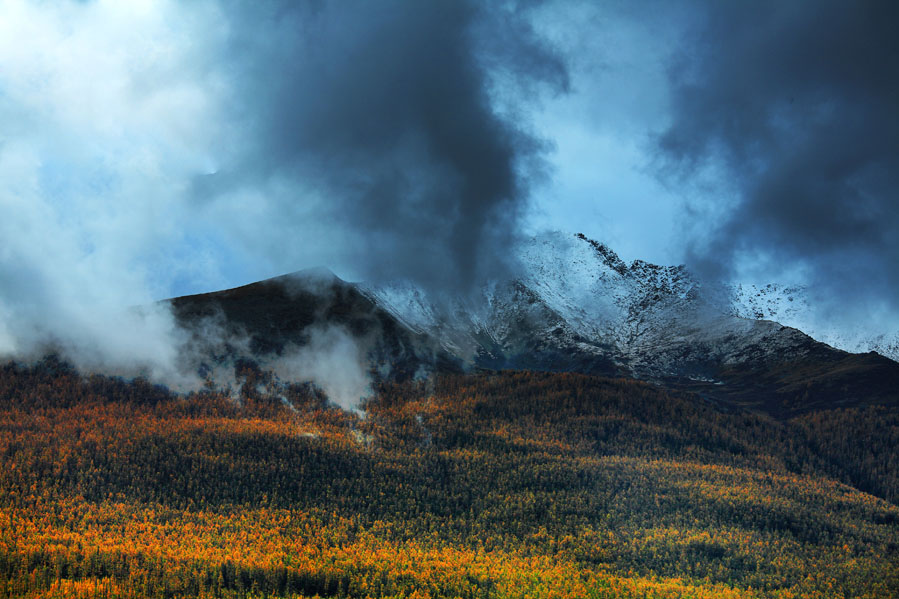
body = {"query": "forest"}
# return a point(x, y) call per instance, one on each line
point(489, 485)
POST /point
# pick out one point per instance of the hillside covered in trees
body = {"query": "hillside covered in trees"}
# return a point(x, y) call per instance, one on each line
point(493, 485)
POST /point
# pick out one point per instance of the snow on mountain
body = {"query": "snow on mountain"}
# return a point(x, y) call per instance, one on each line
point(575, 300)
point(790, 305)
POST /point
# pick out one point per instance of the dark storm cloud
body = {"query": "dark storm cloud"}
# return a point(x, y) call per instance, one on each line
point(389, 113)
point(799, 102)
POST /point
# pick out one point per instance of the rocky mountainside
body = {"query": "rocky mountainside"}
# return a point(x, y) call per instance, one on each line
point(577, 306)
point(272, 320)
point(574, 306)
point(790, 305)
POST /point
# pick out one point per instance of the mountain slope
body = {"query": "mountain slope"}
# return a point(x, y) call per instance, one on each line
point(577, 306)
point(573, 306)
point(791, 305)
point(271, 318)
point(515, 485)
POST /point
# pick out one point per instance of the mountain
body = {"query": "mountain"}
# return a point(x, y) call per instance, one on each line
point(574, 305)
point(275, 317)
point(728, 475)
point(790, 305)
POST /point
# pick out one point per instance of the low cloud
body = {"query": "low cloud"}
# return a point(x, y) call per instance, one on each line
point(333, 360)
point(101, 127)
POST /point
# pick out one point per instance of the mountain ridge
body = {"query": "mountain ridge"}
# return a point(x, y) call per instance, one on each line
point(573, 306)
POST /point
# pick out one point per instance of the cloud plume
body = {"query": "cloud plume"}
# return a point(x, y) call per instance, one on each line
point(332, 359)
point(383, 129)
point(794, 105)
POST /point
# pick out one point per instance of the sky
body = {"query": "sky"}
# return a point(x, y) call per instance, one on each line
point(153, 149)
